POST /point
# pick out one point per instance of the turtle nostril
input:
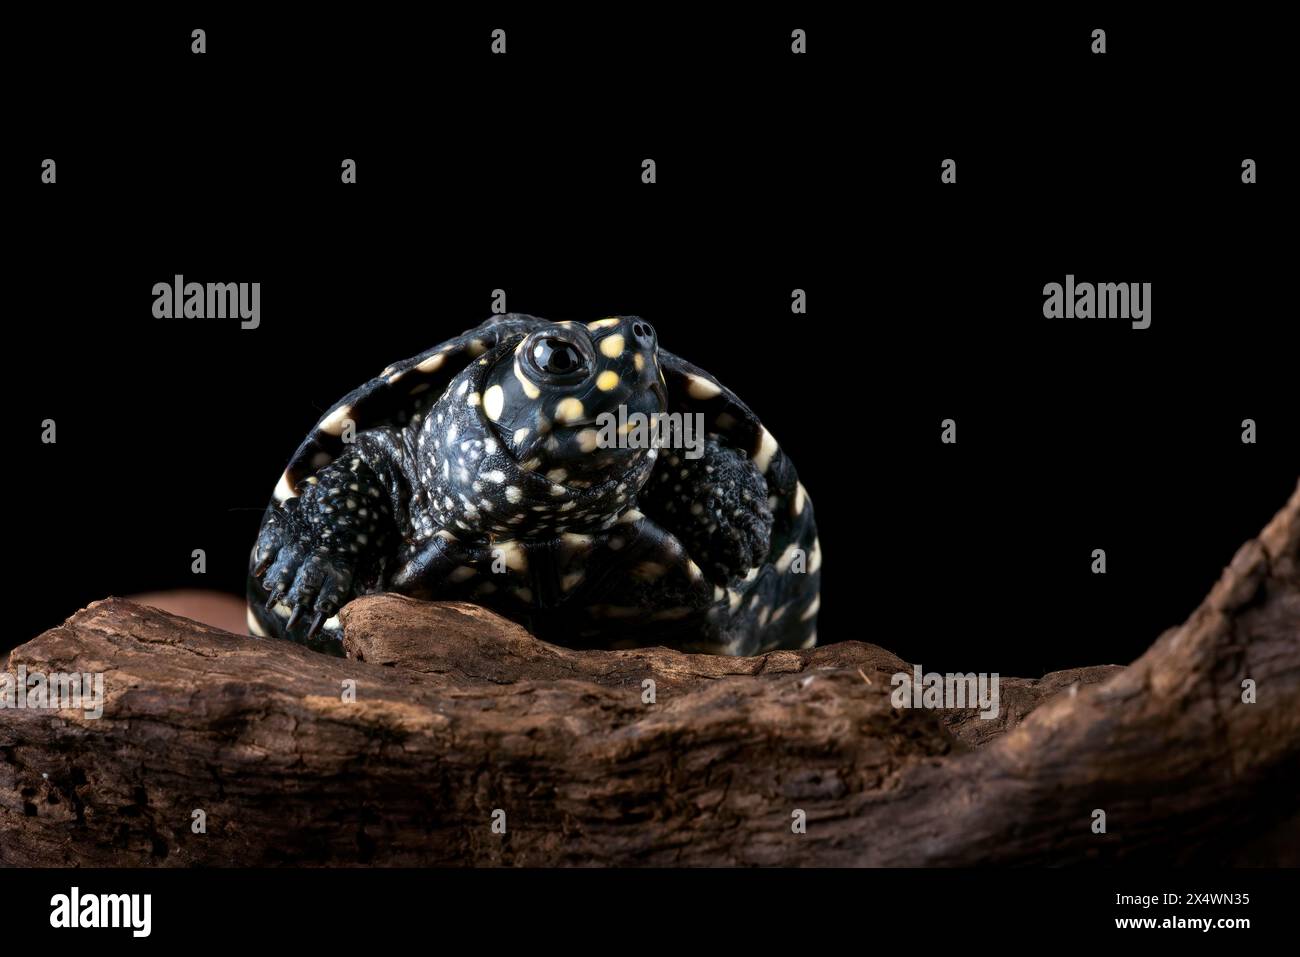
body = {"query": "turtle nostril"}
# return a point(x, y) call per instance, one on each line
point(644, 333)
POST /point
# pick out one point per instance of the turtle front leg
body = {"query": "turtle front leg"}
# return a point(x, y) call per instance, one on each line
point(717, 507)
point(314, 551)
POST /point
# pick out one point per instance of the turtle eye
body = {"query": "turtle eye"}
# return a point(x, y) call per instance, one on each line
point(557, 357)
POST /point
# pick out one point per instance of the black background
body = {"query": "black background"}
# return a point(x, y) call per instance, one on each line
point(774, 172)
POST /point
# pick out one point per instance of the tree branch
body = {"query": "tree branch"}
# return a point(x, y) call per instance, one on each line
point(459, 714)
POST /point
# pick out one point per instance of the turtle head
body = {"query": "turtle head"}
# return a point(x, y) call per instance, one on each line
point(558, 399)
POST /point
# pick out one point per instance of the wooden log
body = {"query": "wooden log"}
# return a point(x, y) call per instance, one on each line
point(461, 720)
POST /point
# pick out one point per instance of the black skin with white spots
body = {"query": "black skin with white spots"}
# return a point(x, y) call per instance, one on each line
point(475, 472)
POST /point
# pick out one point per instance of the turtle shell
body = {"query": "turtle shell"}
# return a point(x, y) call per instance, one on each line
point(396, 395)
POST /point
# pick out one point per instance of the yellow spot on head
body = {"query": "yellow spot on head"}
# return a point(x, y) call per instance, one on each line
point(494, 401)
point(530, 390)
point(607, 381)
point(638, 360)
point(604, 323)
point(431, 364)
point(612, 346)
point(569, 411)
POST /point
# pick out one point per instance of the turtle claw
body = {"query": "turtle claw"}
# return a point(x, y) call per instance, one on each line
point(316, 624)
point(277, 593)
point(313, 583)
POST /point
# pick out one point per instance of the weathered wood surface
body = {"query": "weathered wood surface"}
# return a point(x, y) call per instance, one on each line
point(459, 714)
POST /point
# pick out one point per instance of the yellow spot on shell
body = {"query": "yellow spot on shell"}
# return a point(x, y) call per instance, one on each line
point(614, 611)
point(799, 501)
point(283, 490)
point(649, 571)
point(607, 380)
point(612, 346)
point(787, 558)
point(513, 554)
point(332, 424)
point(588, 439)
point(573, 542)
point(701, 388)
point(254, 626)
point(767, 448)
point(494, 400)
point(671, 614)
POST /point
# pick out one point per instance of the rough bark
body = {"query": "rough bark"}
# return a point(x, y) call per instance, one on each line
point(459, 714)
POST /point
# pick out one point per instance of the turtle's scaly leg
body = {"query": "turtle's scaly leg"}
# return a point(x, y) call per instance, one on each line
point(312, 548)
point(716, 505)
